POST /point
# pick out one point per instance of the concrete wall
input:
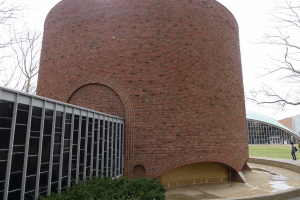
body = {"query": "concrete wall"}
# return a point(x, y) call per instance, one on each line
point(194, 173)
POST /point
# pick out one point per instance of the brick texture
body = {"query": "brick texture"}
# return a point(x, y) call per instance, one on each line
point(172, 68)
point(98, 97)
point(138, 170)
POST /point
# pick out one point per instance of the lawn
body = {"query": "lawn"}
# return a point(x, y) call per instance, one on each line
point(272, 151)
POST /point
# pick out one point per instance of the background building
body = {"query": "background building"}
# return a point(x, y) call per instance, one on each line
point(292, 123)
point(172, 69)
point(265, 130)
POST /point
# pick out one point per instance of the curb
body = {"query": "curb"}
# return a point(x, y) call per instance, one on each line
point(279, 164)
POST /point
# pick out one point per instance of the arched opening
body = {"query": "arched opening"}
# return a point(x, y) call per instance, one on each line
point(139, 170)
point(98, 97)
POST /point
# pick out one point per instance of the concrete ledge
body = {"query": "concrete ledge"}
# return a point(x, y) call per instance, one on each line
point(288, 194)
point(279, 164)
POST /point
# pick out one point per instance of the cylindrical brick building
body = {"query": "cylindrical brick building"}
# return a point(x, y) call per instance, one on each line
point(171, 68)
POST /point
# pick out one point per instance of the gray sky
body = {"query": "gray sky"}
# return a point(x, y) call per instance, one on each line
point(252, 23)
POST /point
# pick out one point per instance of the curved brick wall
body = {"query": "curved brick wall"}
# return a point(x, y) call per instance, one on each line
point(98, 97)
point(175, 66)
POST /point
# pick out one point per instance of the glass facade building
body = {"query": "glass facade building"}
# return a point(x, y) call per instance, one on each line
point(44, 142)
point(265, 130)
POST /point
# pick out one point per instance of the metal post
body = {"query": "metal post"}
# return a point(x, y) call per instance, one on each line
point(37, 183)
point(275, 133)
point(103, 139)
point(259, 132)
point(51, 149)
point(107, 152)
point(248, 130)
point(269, 132)
point(26, 149)
point(123, 146)
point(252, 132)
point(266, 133)
point(10, 150)
point(280, 136)
point(116, 149)
point(98, 144)
point(256, 132)
point(92, 147)
point(265, 130)
point(61, 149)
point(112, 147)
point(120, 137)
point(71, 148)
point(78, 147)
point(285, 136)
point(86, 143)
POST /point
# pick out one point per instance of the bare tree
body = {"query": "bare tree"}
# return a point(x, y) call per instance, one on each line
point(8, 14)
point(19, 49)
point(27, 58)
point(284, 36)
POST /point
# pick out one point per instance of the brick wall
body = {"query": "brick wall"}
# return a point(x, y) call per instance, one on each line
point(98, 97)
point(287, 122)
point(175, 66)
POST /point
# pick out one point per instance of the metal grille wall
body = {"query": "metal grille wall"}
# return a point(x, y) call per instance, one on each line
point(44, 142)
point(263, 133)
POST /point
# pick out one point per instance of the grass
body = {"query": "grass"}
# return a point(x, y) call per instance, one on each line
point(272, 151)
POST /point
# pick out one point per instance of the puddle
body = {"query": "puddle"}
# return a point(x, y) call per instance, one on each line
point(274, 176)
point(278, 180)
point(279, 186)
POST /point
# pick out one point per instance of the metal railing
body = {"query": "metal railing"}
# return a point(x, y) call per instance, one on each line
point(44, 142)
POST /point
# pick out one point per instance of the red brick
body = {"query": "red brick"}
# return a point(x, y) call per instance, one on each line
point(171, 68)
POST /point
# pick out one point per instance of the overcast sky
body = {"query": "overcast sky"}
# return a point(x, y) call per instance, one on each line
point(252, 22)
